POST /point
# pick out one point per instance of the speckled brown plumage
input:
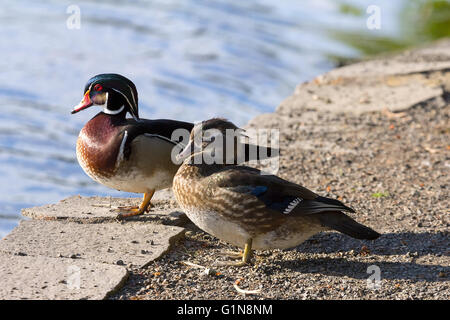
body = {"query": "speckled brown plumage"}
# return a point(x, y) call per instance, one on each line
point(240, 205)
point(197, 189)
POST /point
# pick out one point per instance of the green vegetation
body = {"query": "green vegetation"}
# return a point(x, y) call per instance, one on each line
point(346, 8)
point(380, 194)
point(420, 21)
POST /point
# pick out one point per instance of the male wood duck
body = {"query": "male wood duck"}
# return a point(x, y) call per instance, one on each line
point(132, 155)
point(241, 206)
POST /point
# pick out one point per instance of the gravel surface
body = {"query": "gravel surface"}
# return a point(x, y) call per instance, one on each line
point(393, 169)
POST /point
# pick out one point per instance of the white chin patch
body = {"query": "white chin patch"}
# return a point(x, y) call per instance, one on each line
point(107, 111)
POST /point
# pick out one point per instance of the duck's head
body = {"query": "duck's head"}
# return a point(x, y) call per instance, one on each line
point(212, 136)
point(112, 92)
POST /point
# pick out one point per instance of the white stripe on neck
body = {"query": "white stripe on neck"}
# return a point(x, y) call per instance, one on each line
point(122, 145)
point(113, 112)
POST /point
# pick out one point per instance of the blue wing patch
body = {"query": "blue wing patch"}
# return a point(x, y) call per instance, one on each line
point(258, 190)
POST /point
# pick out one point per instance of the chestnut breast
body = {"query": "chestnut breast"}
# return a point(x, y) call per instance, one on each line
point(98, 146)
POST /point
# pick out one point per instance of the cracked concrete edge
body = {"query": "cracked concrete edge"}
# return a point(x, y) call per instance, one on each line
point(102, 210)
point(172, 242)
point(35, 243)
point(131, 243)
point(118, 286)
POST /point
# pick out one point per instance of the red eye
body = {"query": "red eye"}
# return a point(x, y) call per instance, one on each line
point(98, 87)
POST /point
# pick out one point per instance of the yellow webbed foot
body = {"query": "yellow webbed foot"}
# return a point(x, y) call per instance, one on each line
point(131, 211)
point(246, 255)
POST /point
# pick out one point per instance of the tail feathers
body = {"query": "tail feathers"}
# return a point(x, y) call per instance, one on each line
point(322, 204)
point(343, 223)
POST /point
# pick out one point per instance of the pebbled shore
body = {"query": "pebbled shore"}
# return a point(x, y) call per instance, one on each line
point(375, 135)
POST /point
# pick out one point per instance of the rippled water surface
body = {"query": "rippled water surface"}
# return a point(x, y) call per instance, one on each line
point(190, 60)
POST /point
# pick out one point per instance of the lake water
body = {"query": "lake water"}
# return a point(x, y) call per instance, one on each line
point(190, 60)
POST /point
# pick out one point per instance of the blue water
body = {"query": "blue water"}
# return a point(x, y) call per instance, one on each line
point(190, 60)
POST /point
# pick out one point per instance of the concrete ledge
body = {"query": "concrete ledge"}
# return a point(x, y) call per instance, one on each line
point(127, 243)
point(38, 277)
point(82, 234)
point(104, 209)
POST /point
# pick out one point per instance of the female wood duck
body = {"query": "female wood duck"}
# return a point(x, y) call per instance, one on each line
point(132, 155)
point(240, 205)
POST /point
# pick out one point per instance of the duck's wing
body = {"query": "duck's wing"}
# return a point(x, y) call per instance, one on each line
point(283, 198)
point(163, 127)
point(276, 193)
point(170, 132)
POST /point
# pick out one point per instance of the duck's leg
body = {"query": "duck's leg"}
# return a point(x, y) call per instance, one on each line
point(246, 255)
point(126, 212)
point(232, 254)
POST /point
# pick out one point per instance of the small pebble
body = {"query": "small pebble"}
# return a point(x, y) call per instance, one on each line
point(209, 272)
